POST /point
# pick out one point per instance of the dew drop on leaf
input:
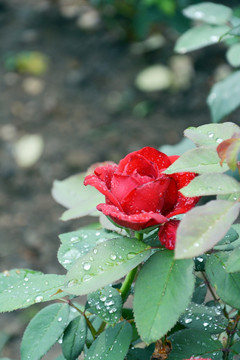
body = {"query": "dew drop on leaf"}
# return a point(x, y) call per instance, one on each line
point(86, 266)
point(38, 299)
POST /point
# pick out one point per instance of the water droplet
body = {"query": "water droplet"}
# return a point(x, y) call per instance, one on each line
point(131, 255)
point(86, 266)
point(87, 278)
point(214, 38)
point(210, 134)
point(113, 257)
point(112, 310)
point(188, 321)
point(109, 302)
point(72, 283)
point(59, 319)
point(95, 251)
point(103, 298)
point(205, 324)
point(74, 239)
point(38, 299)
point(98, 233)
point(219, 140)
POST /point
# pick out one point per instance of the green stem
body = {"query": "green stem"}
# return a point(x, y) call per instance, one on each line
point(126, 285)
point(89, 324)
point(231, 330)
point(101, 328)
point(139, 235)
point(209, 286)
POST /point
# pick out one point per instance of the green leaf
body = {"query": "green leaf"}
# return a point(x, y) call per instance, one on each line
point(211, 184)
point(199, 37)
point(177, 149)
point(167, 285)
point(204, 318)
point(233, 263)
point(74, 338)
point(228, 242)
point(106, 303)
point(106, 263)
point(235, 349)
point(200, 291)
point(229, 197)
point(223, 98)
point(189, 343)
point(33, 288)
point(233, 54)
point(200, 160)
point(113, 343)
point(76, 244)
point(203, 227)
point(71, 193)
point(209, 12)
point(227, 285)
point(139, 354)
point(11, 277)
point(43, 331)
point(211, 134)
point(235, 31)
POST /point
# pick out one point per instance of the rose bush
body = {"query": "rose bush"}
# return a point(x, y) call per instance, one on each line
point(138, 194)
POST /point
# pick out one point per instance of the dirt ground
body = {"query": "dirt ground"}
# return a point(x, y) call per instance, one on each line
point(85, 113)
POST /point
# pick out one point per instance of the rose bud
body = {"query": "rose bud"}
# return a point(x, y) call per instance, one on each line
point(167, 234)
point(138, 195)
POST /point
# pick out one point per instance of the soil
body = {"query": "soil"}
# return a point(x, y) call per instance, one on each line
point(86, 113)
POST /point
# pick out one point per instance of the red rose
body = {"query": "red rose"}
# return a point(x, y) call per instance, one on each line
point(137, 194)
point(167, 233)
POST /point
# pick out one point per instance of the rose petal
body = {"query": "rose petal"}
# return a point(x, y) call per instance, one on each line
point(183, 205)
point(147, 197)
point(167, 234)
point(173, 158)
point(122, 185)
point(170, 197)
point(155, 156)
point(183, 178)
point(136, 222)
point(93, 180)
point(105, 173)
point(136, 162)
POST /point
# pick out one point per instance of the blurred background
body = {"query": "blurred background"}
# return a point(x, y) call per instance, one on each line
point(84, 82)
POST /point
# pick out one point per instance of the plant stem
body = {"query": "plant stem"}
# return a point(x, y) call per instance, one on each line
point(101, 328)
point(126, 285)
point(139, 235)
point(89, 324)
point(209, 287)
point(231, 329)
